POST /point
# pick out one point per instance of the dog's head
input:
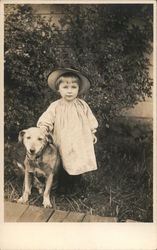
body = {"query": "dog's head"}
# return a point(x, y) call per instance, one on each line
point(34, 139)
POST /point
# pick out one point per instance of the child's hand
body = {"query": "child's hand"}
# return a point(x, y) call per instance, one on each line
point(94, 139)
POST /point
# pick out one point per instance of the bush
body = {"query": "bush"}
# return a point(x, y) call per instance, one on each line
point(29, 52)
point(111, 44)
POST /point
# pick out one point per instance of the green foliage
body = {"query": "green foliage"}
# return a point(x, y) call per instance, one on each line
point(29, 55)
point(111, 44)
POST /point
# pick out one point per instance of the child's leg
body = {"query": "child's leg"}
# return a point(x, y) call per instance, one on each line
point(76, 180)
point(55, 182)
point(67, 182)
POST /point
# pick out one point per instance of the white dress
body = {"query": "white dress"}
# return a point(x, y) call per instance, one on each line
point(72, 125)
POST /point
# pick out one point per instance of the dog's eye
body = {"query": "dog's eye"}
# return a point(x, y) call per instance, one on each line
point(40, 139)
point(28, 137)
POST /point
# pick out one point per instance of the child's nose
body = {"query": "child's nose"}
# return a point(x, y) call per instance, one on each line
point(69, 89)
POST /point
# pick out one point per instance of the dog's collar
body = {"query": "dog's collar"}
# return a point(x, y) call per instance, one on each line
point(38, 156)
point(33, 157)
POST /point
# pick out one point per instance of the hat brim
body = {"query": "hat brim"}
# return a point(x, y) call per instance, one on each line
point(52, 78)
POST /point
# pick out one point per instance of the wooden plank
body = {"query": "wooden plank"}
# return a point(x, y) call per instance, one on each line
point(12, 211)
point(128, 220)
point(15, 212)
point(58, 216)
point(97, 218)
point(74, 217)
point(36, 214)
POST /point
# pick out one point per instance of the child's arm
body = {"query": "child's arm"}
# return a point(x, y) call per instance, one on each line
point(92, 120)
point(93, 123)
point(94, 138)
point(47, 119)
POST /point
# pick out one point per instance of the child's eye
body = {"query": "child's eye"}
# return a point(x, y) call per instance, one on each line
point(28, 137)
point(40, 139)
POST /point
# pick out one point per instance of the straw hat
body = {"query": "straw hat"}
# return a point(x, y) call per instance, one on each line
point(52, 78)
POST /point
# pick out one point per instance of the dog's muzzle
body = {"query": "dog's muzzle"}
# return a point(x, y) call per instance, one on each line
point(34, 156)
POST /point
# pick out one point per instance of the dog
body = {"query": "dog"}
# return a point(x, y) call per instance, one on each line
point(41, 159)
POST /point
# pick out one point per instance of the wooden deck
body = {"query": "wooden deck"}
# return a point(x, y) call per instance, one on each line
point(14, 212)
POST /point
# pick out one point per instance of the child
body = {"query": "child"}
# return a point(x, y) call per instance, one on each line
point(71, 121)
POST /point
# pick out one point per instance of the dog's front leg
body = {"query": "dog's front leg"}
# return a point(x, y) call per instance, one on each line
point(38, 185)
point(27, 188)
point(46, 197)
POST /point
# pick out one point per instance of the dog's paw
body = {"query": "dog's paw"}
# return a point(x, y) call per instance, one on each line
point(41, 190)
point(21, 200)
point(47, 203)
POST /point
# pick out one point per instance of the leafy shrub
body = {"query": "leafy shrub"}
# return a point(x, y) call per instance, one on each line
point(111, 44)
point(29, 52)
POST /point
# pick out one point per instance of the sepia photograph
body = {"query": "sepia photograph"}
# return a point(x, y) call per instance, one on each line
point(79, 113)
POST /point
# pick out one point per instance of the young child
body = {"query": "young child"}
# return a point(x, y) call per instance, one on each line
point(71, 121)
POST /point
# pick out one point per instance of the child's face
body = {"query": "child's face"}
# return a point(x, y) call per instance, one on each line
point(68, 90)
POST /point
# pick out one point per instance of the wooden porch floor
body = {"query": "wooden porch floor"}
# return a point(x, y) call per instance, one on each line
point(14, 212)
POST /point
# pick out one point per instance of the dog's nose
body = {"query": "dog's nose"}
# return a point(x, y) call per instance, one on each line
point(32, 151)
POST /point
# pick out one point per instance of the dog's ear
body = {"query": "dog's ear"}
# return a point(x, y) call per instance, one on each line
point(49, 138)
point(21, 134)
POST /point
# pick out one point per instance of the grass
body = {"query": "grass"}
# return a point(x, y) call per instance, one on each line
point(122, 186)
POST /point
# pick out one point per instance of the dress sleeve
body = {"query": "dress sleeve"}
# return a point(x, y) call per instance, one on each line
point(46, 120)
point(93, 123)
